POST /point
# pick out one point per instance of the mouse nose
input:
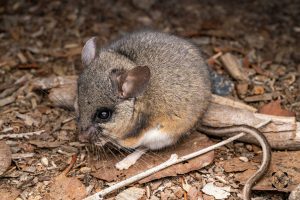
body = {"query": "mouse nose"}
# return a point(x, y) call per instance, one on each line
point(85, 134)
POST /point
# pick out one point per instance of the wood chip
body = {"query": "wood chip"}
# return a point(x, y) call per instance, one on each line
point(28, 120)
point(5, 157)
point(234, 67)
point(260, 97)
point(22, 58)
point(22, 155)
point(7, 100)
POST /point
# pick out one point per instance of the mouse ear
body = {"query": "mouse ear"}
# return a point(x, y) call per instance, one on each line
point(131, 83)
point(88, 52)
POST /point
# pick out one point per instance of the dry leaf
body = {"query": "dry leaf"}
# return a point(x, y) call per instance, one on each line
point(9, 193)
point(274, 108)
point(217, 192)
point(132, 193)
point(66, 188)
point(5, 157)
point(237, 165)
point(284, 165)
point(105, 169)
point(193, 193)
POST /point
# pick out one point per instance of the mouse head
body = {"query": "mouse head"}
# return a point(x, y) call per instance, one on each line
point(109, 90)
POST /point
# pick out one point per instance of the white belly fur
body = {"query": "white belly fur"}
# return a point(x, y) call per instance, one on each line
point(155, 139)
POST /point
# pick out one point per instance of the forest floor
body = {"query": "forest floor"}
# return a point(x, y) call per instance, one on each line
point(44, 38)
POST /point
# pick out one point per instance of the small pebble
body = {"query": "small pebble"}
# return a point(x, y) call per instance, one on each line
point(198, 176)
point(46, 182)
point(239, 144)
point(244, 159)
point(85, 170)
point(258, 89)
point(249, 147)
point(234, 185)
point(45, 161)
point(219, 184)
point(30, 169)
point(168, 184)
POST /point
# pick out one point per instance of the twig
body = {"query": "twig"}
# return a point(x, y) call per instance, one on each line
point(68, 120)
point(22, 155)
point(21, 135)
point(67, 170)
point(172, 160)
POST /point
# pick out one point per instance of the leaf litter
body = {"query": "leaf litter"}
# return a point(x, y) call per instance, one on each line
point(36, 42)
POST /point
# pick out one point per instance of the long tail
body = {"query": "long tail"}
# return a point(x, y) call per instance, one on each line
point(266, 160)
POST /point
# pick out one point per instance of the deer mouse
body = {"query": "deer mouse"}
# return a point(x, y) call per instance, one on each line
point(145, 91)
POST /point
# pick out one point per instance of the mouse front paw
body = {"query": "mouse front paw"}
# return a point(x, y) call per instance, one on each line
point(130, 159)
point(124, 164)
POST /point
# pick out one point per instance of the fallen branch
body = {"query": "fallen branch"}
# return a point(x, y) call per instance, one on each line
point(173, 160)
point(21, 135)
point(281, 132)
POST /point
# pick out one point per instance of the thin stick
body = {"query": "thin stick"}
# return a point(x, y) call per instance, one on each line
point(172, 160)
point(21, 135)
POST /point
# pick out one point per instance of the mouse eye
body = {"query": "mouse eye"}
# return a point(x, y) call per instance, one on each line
point(102, 115)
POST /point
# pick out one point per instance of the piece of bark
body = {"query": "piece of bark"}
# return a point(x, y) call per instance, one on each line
point(62, 89)
point(234, 67)
point(283, 174)
point(5, 157)
point(281, 132)
point(7, 100)
point(61, 98)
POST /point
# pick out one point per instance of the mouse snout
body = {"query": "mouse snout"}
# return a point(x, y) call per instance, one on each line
point(85, 135)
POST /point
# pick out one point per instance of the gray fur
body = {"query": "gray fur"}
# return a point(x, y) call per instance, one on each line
point(179, 81)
